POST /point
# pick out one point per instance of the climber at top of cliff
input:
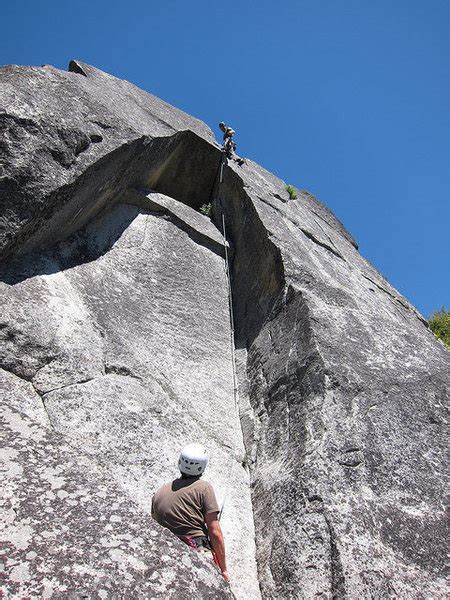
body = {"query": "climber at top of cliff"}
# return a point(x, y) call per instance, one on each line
point(188, 507)
point(229, 145)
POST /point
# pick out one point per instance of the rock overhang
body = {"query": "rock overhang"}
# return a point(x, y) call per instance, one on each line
point(56, 125)
point(183, 166)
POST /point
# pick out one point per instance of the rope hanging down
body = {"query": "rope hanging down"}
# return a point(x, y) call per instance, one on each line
point(227, 271)
point(230, 310)
point(223, 162)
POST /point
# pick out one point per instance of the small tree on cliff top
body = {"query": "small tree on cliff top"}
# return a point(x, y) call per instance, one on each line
point(439, 323)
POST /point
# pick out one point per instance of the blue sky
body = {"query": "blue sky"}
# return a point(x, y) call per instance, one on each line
point(349, 99)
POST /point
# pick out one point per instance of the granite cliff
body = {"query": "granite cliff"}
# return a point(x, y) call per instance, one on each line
point(116, 350)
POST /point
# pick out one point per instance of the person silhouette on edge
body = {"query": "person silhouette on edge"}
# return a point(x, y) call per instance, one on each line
point(229, 145)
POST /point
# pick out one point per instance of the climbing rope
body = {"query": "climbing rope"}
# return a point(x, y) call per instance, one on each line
point(216, 190)
point(223, 162)
point(230, 310)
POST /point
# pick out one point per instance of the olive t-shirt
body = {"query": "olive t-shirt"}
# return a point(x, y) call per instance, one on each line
point(181, 506)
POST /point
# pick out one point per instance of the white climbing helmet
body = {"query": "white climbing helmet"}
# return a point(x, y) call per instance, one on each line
point(193, 460)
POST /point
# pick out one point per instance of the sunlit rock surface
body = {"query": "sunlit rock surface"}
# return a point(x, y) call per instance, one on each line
point(342, 404)
point(132, 359)
point(68, 530)
point(117, 347)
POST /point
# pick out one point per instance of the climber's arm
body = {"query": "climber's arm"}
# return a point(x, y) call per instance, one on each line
point(217, 541)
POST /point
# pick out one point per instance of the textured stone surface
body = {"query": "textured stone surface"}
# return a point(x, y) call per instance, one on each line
point(55, 124)
point(68, 531)
point(118, 338)
point(131, 355)
point(342, 402)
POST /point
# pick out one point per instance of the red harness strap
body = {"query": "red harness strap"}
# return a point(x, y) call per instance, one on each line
point(189, 540)
point(192, 543)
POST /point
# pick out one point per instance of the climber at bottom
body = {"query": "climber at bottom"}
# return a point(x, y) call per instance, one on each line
point(188, 507)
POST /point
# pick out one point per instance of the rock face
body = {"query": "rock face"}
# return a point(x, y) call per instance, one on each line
point(117, 350)
point(132, 347)
point(54, 126)
point(344, 389)
point(69, 531)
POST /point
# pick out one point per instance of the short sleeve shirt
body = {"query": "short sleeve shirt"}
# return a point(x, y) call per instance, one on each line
point(182, 505)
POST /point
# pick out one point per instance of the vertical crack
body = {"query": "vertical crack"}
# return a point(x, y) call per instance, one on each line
point(338, 591)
